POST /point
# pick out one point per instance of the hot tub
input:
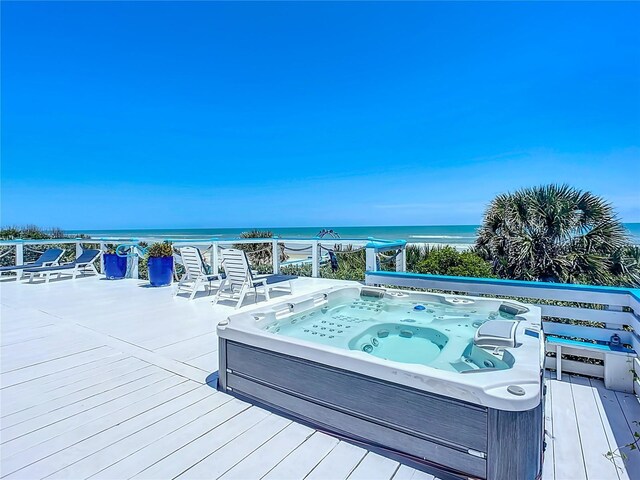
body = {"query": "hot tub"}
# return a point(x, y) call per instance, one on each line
point(453, 383)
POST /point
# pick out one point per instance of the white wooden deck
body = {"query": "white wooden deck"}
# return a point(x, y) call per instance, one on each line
point(107, 380)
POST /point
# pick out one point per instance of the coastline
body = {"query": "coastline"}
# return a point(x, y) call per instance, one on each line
point(458, 236)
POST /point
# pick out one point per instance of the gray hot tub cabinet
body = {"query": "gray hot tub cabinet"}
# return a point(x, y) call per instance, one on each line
point(464, 439)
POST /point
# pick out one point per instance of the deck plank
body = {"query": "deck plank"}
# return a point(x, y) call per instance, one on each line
point(269, 454)
point(64, 378)
point(51, 455)
point(612, 420)
point(207, 362)
point(303, 459)
point(407, 473)
point(73, 417)
point(43, 369)
point(191, 348)
point(81, 413)
point(27, 334)
point(592, 434)
point(204, 403)
point(48, 400)
point(374, 467)
point(339, 463)
point(239, 450)
point(183, 458)
point(548, 467)
point(568, 451)
point(630, 409)
point(148, 455)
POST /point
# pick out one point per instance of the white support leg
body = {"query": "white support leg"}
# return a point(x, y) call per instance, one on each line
point(135, 262)
point(102, 250)
point(558, 362)
point(401, 261)
point(371, 264)
point(19, 259)
point(214, 258)
point(243, 292)
point(19, 254)
point(196, 286)
point(276, 256)
point(315, 259)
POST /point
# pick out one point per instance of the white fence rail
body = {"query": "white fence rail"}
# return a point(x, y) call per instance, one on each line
point(312, 247)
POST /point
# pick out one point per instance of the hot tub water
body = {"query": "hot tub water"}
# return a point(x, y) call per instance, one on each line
point(399, 329)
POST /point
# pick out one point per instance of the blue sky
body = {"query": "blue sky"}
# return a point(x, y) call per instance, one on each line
point(158, 115)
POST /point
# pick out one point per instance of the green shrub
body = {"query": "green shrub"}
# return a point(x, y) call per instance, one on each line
point(110, 248)
point(448, 261)
point(30, 232)
point(260, 254)
point(31, 251)
point(299, 269)
point(160, 249)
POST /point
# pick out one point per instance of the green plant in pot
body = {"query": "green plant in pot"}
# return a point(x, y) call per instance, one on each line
point(115, 266)
point(160, 264)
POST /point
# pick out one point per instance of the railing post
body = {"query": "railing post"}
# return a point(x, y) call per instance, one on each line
point(102, 249)
point(214, 258)
point(315, 259)
point(371, 264)
point(19, 253)
point(78, 248)
point(401, 261)
point(276, 256)
point(558, 362)
point(135, 263)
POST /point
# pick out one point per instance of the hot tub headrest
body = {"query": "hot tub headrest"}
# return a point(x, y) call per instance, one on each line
point(372, 292)
point(496, 333)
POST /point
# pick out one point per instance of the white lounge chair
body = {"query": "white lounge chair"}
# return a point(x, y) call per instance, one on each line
point(83, 264)
point(195, 275)
point(239, 280)
point(47, 258)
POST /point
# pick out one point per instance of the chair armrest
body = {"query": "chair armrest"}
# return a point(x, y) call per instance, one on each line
point(259, 281)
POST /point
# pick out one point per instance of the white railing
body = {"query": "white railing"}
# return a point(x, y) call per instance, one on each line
point(210, 247)
point(617, 308)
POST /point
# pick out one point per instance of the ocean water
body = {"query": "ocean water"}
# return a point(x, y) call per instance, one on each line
point(457, 235)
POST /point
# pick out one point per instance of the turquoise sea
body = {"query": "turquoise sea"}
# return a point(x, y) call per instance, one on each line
point(437, 234)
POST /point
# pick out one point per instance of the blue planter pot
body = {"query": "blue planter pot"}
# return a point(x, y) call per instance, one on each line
point(115, 267)
point(160, 271)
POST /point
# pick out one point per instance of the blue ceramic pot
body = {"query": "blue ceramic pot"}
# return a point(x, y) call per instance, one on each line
point(115, 267)
point(160, 271)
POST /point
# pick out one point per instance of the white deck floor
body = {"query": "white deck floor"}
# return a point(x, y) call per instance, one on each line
point(107, 379)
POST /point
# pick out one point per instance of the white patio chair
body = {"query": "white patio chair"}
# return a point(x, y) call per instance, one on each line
point(195, 276)
point(239, 280)
point(48, 258)
point(83, 264)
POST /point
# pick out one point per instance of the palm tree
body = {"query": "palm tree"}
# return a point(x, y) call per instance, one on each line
point(557, 233)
